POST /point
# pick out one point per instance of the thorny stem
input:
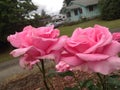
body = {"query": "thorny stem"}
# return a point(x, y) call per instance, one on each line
point(47, 78)
point(39, 67)
point(42, 70)
point(102, 81)
point(44, 77)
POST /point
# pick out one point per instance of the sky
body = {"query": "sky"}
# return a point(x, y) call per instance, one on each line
point(50, 6)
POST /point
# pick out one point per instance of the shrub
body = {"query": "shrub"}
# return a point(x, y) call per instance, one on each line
point(109, 9)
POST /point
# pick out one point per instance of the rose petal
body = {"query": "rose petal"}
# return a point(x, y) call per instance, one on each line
point(92, 57)
point(58, 45)
point(19, 52)
point(62, 66)
point(23, 62)
point(43, 43)
point(106, 32)
point(104, 37)
point(116, 36)
point(112, 49)
point(72, 60)
point(29, 50)
point(105, 67)
point(94, 47)
point(14, 41)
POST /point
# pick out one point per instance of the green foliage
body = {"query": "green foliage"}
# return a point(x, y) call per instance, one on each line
point(67, 73)
point(13, 14)
point(114, 82)
point(89, 84)
point(110, 9)
point(71, 88)
point(67, 2)
point(43, 13)
point(52, 73)
point(86, 83)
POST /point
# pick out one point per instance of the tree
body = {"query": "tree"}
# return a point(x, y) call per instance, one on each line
point(43, 13)
point(67, 1)
point(110, 9)
point(13, 14)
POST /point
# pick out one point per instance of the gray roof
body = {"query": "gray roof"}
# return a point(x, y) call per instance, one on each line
point(86, 2)
point(72, 7)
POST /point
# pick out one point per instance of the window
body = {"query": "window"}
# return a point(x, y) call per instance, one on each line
point(68, 14)
point(59, 16)
point(63, 16)
point(80, 10)
point(76, 12)
point(90, 8)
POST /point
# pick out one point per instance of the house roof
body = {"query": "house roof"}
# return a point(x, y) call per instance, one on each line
point(86, 2)
point(75, 4)
point(72, 7)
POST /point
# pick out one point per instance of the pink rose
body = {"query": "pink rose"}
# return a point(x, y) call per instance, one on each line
point(36, 43)
point(116, 36)
point(62, 66)
point(93, 48)
point(31, 36)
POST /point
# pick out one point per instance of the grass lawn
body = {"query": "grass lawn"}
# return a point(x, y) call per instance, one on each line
point(5, 56)
point(110, 24)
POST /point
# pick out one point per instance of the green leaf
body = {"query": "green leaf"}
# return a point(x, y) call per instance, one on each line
point(67, 73)
point(113, 82)
point(115, 76)
point(87, 83)
point(51, 73)
point(73, 88)
point(94, 87)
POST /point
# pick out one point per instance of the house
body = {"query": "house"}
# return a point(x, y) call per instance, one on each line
point(75, 10)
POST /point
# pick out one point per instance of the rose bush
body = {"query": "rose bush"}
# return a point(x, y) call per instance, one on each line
point(34, 44)
point(92, 49)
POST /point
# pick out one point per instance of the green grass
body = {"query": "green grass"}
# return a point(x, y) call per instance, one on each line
point(5, 56)
point(110, 24)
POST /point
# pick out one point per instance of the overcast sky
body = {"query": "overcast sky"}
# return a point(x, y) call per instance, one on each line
point(50, 6)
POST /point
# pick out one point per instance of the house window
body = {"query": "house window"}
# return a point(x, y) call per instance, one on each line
point(68, 14)
point(80, 10)
point(90, 8)
point(63, 16)
point(76, 12)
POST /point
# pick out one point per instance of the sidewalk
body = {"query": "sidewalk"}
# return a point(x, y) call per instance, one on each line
point(10, 68)
point(8, 64)
point(115, 30)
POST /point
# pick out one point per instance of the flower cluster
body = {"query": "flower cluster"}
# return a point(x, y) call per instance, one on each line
point(93, 49)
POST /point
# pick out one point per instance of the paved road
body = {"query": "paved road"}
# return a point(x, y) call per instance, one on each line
point(115, 30)
point(10, 68)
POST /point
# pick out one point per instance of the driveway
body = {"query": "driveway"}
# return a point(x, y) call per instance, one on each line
point(10, 68)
